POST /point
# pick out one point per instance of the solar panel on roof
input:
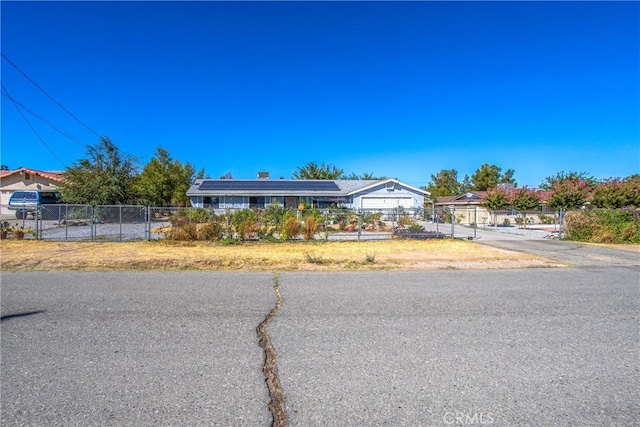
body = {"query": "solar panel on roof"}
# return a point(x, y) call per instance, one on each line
point(262, 185)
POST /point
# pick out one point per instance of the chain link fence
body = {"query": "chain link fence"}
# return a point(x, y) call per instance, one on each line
point(65, 222)
point(77, 222)
point(463, 221)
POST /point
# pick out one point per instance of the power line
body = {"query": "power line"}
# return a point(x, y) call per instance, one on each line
point(51, 124)
point(33, 129)
point(50, 97)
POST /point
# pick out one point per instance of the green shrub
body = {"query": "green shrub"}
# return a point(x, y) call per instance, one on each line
point(603, 226)
point(415, 228)
point(405, 221)
point(245, 224)
point(545, 219)
point(274, 219)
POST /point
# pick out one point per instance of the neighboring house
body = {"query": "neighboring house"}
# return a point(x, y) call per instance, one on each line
point(467, 207)
point(26, 179)
point(259, 193)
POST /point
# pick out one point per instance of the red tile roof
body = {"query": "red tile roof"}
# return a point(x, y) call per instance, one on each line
point(56, 176)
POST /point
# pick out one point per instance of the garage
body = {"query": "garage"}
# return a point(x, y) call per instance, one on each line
point(386, 202)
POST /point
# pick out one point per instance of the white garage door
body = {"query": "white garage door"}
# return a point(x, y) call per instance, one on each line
point(386, 202)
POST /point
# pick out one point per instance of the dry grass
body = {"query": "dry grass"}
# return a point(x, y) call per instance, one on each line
point(332, 256)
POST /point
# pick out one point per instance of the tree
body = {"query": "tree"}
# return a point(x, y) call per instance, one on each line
point(495, 200)
point(4, 168)
point(466, 184)
point(560, 177)
point(524, 199)
point(364, 176)
point(165, 181)
point(106, 177)
point(616, 193)
point(444, 183)
point(568, 194)
point(314, 171)
point(488, 176)
point(227, 176)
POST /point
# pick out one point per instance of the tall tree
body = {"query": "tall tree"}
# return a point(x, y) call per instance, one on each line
point(314, 171)
point(165, 181)
point(560, 177)
point(495, 200)
point(466, 184)
point(105, 177)
point(444, 183)
point(489, 176)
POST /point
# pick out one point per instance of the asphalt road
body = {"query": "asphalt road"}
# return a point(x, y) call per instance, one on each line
point(539, 347)
point(133, 349)
point(552, 347)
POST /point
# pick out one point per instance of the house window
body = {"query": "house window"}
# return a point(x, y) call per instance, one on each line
point(211, 202)
point(256, 202)
point(27, 176)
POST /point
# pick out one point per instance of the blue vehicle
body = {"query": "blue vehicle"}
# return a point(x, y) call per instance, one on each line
point(25, 202)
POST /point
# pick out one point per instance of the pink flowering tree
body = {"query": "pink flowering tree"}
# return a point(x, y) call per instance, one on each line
point(524, 199)
point(496, 199)
point(616, 193)
point(568, 194)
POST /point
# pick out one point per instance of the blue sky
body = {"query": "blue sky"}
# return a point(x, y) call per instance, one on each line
point(396, 89)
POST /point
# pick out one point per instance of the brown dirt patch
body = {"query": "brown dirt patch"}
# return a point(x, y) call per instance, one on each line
point(296, 256)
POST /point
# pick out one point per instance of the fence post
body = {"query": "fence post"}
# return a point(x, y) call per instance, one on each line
point(358, 222)
point(475, 223)
point(148, 223)
point(36, 217)
point(326, 226)
point(66, 222)
point(453, 222)
point(393, 223)
point(560, 232)
point(93, 221)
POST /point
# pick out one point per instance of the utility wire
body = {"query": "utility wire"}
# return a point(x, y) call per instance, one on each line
point(51, 124)
point(33, 129)
point(50, 97)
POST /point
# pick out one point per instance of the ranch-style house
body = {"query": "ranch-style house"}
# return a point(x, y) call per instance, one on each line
point(259, 193)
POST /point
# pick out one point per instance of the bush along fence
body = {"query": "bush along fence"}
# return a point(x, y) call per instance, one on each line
point(273, 223)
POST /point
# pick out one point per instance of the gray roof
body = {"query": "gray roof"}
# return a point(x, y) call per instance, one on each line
point(279, 187)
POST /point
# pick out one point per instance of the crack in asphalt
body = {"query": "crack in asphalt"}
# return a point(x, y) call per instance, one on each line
point(269, 368)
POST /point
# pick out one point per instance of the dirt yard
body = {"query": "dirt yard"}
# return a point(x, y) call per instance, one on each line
point(30, 255)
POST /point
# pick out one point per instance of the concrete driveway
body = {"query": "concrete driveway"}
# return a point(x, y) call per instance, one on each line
point(570, 253)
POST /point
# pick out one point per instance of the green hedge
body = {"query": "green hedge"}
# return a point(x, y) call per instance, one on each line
point(603, 226)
